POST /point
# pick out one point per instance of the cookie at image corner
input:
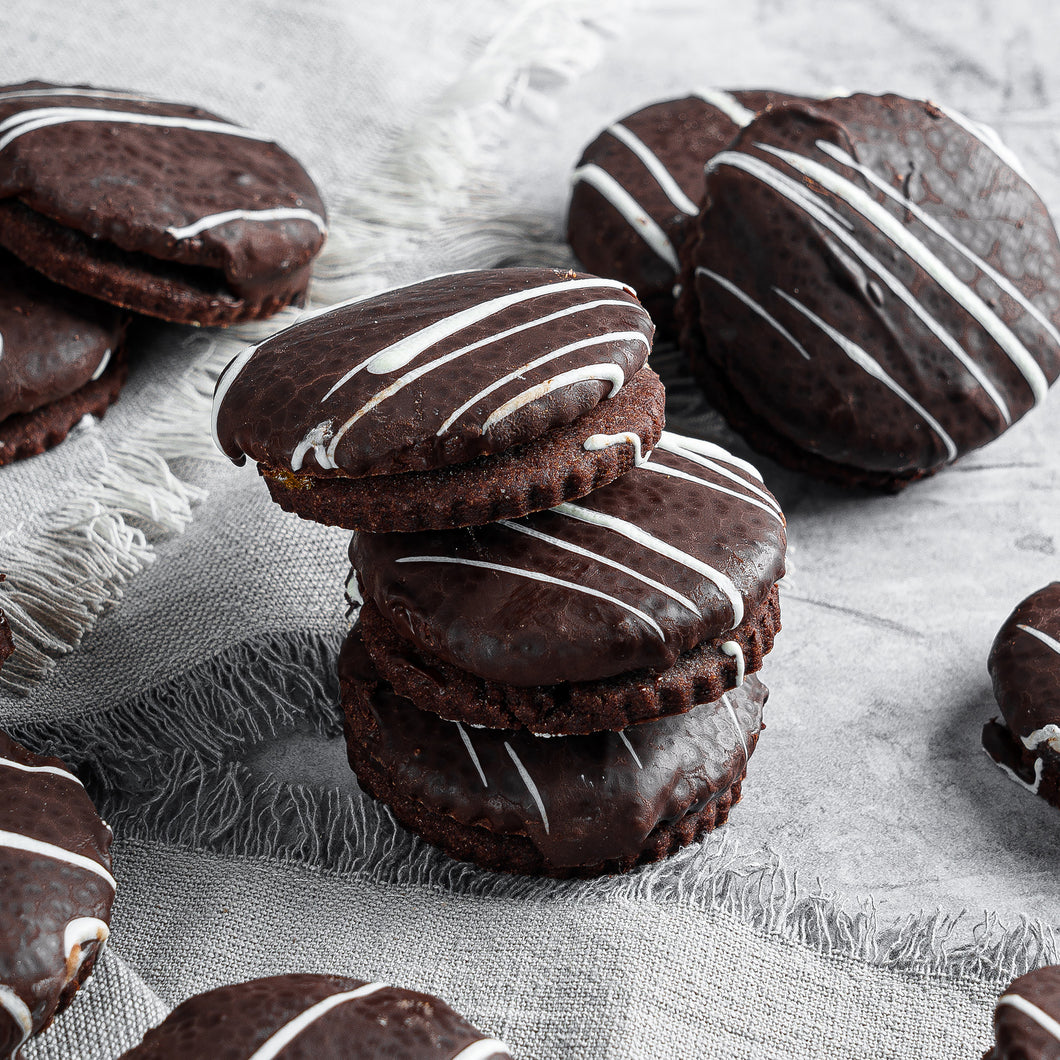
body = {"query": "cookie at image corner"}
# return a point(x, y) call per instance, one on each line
point(1027, 1018)
point(456, 401)
point(566, 806)
point(1024, 664)
point(162, 208)
point(646, 597)
point(56, 893)
point(872, 288)
point(327, 1017)
point(62, 357)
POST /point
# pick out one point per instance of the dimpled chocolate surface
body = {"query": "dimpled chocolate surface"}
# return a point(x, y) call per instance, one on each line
point(581, 801)
point(670, 554)
point(75, 190)
point(638, 186)
point(1027, 1018)
point(872, 290)
point(433, 374)
point(42, 893)
point(231, 1022)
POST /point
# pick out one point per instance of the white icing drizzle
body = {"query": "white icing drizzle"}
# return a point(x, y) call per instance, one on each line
point(654, 165)
point(1049, 734)
point(1, 346)
point(608, 372)
point(596, 442)
point(1049, 642)
point(672, 472)
point(823, 213)
point(15, 841)
point(631, 210)
point(224, 384)
point(735, 724)
point(279, 213)
point(707, 455)
point(1030, 1009)
point(663, 548)
point(87, 93)
point(1039, 765)
point(289, 1031)
point(537, 576)
point(868, 364)
point(728, 104)
point(79, 931)
point(19, 1012)
point(471, 751)
point(625, 739)
point(28, 121)
point(530, 785)
point(987, 135)
point(102, 366)
point(734, 651)
point(484, 1047)
point(10, 763)
point(316, 438)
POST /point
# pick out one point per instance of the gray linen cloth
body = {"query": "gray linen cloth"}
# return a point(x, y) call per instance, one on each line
point(177, 632)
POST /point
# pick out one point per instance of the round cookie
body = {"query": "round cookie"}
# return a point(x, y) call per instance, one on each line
point(56, 891)
point(1027, 1018)
point(160, 207)
point(457, 401)
point(61, 357)
point(315, 1017)
point(648, 596)
point(1024, 664)
point(564, 806)
point(871, 289)
point(637, 188)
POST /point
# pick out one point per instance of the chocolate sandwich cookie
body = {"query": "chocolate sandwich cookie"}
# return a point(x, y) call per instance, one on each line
point(61, 357)
point(163, 208)
point(1024, 663)
point(456, 401)
point(561, 806)
point(55, 891)
point(871, 288)
point(315, 1017)
point(637, 188)
point(648, 596)
point(1027, 1018)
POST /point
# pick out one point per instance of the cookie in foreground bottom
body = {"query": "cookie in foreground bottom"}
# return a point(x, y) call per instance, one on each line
point(1027, 1018)
point(325, 1017)
point(548, 806)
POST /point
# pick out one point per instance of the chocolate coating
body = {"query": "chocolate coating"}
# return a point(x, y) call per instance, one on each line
point(590, 802)
point(1027, 1018)
point(872, 289)
point(45, 893)
point(231, 1022)
point(114, 207)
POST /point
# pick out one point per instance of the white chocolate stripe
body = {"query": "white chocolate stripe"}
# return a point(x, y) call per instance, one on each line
point(1049, 734)
point(1029, 1008)
point(943, 233)
point(568, 546)
point(1049, 642)
point(682, 445)
point(654, 165)
point(868, 364)
point(471, 752)
point(85, 93)
point(537, 576)
point(224, 384)
point(649, 541)
point(19, 1012)
point(887, 223)
point(1038, 767)
point(278, 213)
point(634, 214)
point(755, 307)
point(102, 366)
point(401, 353)
point(84, 929)
point(595, 442)
point(986, 135)
point(673, 472)
point(736, 725)
point(840, 227)
point(287, 1033)
point(728, 104)
point(608, 372)
point(15, 841)
point(636, 758)
point(483, 1048)
point(530, 785)
point(10, 763)
point(734, 651)
point(672, 443)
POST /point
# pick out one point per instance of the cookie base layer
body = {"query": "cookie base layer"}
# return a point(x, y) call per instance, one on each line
point(182, 294)
point(31, 433)
point(1022, 764)
point(524, 479)
point(700, 675)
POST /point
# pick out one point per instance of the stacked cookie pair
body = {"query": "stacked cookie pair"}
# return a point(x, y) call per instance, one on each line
point(537, 557)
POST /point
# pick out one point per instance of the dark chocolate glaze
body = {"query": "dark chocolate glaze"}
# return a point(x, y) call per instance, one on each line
point(231, 1022)
point(514, 627)
point(41, 894)
point(804, 303)
point(581, 800)
point(52, 341)
point(269, 405)
point(7, 642)
point(125, 184)
point(1019, 1035)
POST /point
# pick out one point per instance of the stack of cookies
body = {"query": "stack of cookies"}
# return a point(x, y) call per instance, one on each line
point(537, 558)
